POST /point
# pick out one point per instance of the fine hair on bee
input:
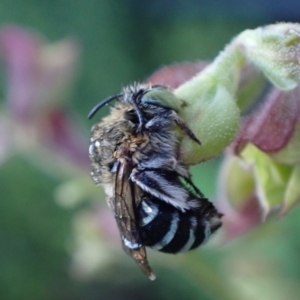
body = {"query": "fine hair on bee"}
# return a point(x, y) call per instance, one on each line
point(134, 156)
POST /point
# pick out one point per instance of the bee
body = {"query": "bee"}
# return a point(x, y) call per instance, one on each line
point(134, 156)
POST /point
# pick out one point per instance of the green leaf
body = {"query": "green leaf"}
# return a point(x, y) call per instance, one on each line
point(292, 193)
point(271, 178)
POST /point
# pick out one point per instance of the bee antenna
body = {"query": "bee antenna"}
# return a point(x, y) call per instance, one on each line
point(101, 104)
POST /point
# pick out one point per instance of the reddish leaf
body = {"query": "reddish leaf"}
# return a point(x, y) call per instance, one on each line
point(175, 75)
point(272, 125)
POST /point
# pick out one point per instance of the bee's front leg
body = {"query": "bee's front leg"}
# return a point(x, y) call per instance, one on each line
point(161, 120)
point(139, 112)
point(162, 184)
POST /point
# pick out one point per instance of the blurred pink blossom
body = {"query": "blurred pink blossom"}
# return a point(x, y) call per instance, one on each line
point(38, 80)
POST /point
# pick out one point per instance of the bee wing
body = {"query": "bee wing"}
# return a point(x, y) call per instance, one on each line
point(124, 202)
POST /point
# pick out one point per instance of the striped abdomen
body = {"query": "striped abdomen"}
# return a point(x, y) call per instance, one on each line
point(168, 229)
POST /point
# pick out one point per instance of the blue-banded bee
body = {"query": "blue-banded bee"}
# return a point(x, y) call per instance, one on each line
point(133, 152)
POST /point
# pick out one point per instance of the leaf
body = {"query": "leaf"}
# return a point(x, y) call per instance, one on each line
point(271, 179)
point(272, 125)
point(176, 74)
point(292, 193)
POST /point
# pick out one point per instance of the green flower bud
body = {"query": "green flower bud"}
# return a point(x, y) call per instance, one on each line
point(210, 108)
point(210, 101)
point(275, 50)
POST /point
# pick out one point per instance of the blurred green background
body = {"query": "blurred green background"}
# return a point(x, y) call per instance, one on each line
point(122, 42)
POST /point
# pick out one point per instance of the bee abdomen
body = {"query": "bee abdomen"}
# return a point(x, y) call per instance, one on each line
point(167, 229)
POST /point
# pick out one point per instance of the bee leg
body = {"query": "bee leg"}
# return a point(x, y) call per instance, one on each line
point(165, 118)
point(165, 186)
point(184, 127)
point(160, 162)
point(139, 112)
point(160, 121)
point(141, 118)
